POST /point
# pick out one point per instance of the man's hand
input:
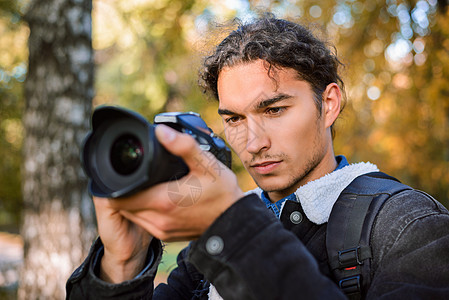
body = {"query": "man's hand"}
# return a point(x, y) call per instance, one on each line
point(125, 243)
point(127, 225)
point(160, 214)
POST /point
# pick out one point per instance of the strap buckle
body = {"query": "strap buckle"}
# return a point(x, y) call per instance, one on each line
point(349, 257)
point(350, 285)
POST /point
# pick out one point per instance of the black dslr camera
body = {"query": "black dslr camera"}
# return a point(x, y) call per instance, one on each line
point(121, 155)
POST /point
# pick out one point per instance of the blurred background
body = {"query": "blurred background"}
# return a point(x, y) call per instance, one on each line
point(59, 59)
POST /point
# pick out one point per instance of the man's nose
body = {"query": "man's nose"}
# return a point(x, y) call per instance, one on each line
point(257, 137)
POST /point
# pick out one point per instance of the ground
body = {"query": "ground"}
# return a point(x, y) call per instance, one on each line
point(11, 258)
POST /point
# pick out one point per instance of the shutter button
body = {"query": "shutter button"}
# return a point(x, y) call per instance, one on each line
point(296, 217)
point(214, 245)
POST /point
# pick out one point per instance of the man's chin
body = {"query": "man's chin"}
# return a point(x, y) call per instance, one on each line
point(270, 187)
point(273, 184)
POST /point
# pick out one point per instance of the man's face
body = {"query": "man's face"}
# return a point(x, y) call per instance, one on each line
point(273, 125)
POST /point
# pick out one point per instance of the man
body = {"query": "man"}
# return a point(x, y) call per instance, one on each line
point(279, 95)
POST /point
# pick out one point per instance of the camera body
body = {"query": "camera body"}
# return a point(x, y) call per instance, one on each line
point(121, 154)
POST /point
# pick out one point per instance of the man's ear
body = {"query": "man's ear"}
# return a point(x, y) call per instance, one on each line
point(331, 104)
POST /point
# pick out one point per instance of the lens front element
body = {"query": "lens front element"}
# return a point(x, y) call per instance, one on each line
point(126, 154)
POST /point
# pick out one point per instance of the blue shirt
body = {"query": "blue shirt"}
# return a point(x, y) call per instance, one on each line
point(276, 206)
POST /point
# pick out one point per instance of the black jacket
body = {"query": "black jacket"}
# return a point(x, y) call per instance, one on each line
point(250, 254)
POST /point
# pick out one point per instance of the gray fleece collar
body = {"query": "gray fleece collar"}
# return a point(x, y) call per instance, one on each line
point(318, 197)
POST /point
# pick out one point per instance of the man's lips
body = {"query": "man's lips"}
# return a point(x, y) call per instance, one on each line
point(264, 163)
point(265, 167)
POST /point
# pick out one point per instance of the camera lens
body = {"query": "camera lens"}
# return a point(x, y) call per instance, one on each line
point(126, 154)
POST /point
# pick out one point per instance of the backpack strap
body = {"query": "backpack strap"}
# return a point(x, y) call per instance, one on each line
point(349, 229)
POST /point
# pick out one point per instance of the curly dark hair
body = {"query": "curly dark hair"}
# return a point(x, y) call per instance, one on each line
point(282, 44)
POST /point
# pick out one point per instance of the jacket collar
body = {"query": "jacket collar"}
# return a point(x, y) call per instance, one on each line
point(318, 197)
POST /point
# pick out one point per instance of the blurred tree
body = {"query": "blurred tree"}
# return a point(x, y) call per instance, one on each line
point(13, 37)
point(145, 58)
point(398, 89)
point(58, 217)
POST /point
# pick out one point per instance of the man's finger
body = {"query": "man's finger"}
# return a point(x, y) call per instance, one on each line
point(149, 198)
point(180, 144)
point(102, 207)
point(152, 224)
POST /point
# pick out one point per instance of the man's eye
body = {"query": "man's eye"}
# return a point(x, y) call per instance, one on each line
point(232, 120)
point(275, 110)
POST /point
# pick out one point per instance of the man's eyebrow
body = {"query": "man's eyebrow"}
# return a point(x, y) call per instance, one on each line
point(225, 112)
point(259, 105)
point(270, 101)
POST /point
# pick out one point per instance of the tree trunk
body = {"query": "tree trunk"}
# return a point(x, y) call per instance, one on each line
point(58, 221)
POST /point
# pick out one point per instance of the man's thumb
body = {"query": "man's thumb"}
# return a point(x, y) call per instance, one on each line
point(165, 134)
point(177, 143)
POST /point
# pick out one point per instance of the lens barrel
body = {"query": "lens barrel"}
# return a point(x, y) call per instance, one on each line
point(121, 155)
